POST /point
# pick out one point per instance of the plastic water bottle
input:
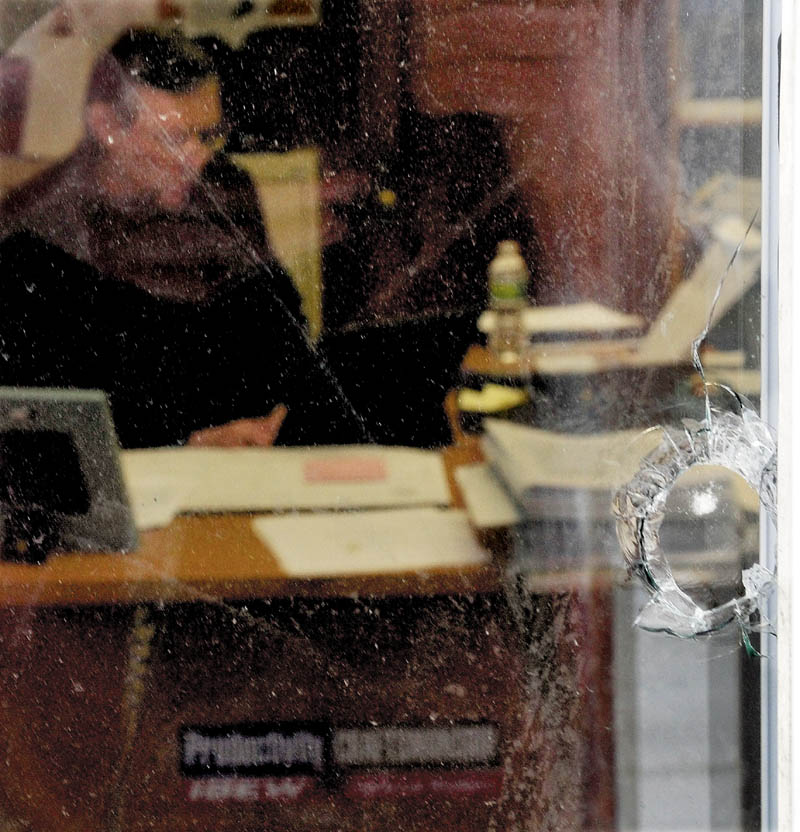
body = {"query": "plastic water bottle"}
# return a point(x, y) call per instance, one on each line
point(508, 284)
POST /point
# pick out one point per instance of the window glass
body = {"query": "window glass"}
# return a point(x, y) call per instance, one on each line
point(380, 428)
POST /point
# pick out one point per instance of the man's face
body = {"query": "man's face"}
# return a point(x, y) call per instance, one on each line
point(154, 161)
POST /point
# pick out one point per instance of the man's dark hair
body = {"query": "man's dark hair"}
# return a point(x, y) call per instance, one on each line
point(169, 62)
point(165, 61)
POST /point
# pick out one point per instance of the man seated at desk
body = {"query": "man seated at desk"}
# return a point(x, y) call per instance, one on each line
point(139, 265)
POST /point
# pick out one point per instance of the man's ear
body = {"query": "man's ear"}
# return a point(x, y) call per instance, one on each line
point(103, 123)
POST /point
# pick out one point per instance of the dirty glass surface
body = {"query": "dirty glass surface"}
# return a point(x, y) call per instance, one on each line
point(430, 335)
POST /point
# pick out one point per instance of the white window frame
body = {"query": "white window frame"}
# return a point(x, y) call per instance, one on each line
point(788, 401)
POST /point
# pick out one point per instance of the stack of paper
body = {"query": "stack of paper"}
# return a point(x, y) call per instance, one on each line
point(548, 474)
point(535, 465)
point(163, 482)
point(402, 525)
point(568, 318)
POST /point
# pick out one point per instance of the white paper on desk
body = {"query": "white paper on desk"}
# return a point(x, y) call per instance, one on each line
point(275, 479)
point(488, 503)
point(572, 317)
point(155, 501)
point(532, 458)
point(370, 542)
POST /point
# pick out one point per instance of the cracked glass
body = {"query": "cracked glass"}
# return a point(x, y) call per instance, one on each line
point(382, 438)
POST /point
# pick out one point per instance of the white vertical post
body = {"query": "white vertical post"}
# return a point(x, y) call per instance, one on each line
point(788, 731)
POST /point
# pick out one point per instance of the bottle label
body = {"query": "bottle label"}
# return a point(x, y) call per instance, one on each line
point(507, 291)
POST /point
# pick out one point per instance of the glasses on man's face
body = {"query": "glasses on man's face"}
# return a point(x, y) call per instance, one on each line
point(212, 138)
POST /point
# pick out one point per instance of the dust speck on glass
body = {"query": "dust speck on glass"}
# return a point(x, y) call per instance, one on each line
point(380, 396)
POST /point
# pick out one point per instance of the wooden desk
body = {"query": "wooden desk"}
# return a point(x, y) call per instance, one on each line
point(214, 558)
point(107, 659)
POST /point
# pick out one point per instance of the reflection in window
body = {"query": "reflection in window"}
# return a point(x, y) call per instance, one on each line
point(388, 300)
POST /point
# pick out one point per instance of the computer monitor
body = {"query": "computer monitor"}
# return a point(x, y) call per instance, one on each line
point(61, 486)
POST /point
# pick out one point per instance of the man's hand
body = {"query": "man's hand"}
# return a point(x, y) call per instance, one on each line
point(260, 432)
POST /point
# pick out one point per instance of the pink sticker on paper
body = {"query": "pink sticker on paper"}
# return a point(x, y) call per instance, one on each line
point(345, 469)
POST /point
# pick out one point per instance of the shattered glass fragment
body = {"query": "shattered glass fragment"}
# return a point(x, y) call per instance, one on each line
point(744, 444)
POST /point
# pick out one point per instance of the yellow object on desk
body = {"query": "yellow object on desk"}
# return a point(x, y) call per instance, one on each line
point(493, 398)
